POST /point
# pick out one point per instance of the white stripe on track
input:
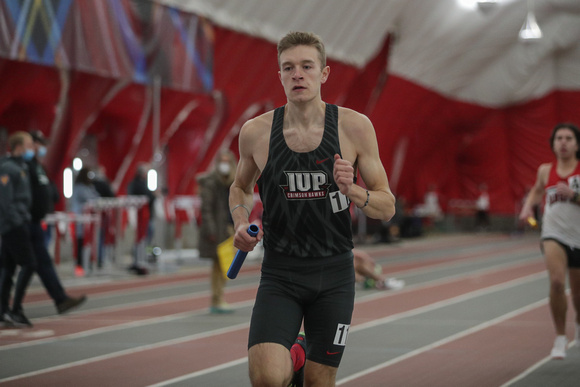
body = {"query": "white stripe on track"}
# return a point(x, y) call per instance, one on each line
point(538, 364)
point(450, 301)
point(111, 328)
point(206, 371)
point(401, 316)
point(128, 351)
point(446, 340)
point(534, 367)
point(447, 279)
point(374, 323)
point(242, 304)
point(528, 371)
point(133, 291)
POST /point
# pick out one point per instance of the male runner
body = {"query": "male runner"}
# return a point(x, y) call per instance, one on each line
point(304, 157)
point(560, 237)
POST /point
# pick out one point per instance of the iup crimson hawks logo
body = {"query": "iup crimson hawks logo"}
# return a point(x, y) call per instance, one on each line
point(306, 185)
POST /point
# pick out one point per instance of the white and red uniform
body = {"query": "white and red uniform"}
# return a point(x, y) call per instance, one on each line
point(561, 219)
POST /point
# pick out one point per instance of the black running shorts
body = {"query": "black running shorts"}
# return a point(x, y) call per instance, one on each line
point(320, 290)
point(572, 254)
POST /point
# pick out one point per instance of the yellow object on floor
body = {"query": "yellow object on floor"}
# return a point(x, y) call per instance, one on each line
point(226, 252)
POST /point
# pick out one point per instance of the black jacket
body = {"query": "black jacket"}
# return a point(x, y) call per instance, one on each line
point(138, 186)
point(42, 192)
point(15, 194)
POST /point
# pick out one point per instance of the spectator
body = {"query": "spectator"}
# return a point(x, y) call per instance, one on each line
point(430, 207)
point(15, 200)
point(41, 204)
point(390, 231)
point(216, 222)
point(102, 183)
point(410, 224)
point(482, 209)
point(105, 190)
point(138, 186)
point(83, 191)
point(370, 273)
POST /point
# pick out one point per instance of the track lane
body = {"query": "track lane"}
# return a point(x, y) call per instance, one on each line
point(478, 281)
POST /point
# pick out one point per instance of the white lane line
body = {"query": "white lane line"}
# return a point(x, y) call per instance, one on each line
point(139, 304)
point(446, 280)
point(206, 371)
point(401, 316)
point(450, 301)
point(188, 297)
point(179, 340)
point(538, 364)
point(534, 367)
point(528, 371)
point(118, 284)
point(446, 340)
point(462, 263)
point(447, 302)
point(456, 254)
point(39, 333)
point(116, 327)
point(133, 291)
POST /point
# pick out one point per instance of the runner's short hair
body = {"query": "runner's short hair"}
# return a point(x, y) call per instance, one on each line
point(299, 38)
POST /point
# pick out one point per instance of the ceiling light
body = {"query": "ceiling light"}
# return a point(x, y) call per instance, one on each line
point(530, 30)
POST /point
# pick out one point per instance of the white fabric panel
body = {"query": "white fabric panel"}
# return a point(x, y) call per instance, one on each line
point(353, 31)
point(450, 46)
point(474, 56)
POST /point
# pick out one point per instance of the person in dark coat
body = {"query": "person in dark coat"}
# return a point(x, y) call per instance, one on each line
point(216, 222)
point(15, 200)
point(42, 203)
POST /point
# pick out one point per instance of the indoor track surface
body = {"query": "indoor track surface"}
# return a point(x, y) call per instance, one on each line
point(474, 313)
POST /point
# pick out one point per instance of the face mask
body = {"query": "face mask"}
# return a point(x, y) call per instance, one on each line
point(28, 155)
point(41, 151)
point(223, 168)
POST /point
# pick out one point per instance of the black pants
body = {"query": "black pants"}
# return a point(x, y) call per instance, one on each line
point(16, 250)
point(44, 268)
point(481, 218)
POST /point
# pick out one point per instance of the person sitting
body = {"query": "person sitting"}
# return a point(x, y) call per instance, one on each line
point(370, 273)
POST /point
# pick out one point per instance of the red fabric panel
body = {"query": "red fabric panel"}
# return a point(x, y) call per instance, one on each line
point(453, 144)
point(85, 96)
point(27, 96)
point(246, 71)
point(364, 90)
point(458, 146)
point(118, 121)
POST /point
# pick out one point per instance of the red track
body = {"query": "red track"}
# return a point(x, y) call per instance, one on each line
point(474, 358)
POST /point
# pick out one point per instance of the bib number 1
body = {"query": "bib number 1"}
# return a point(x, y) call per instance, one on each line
point(338, 201)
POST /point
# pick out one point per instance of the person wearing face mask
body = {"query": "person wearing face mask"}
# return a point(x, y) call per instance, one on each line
point(15, 201)
point(216, 221)
point(42, 198)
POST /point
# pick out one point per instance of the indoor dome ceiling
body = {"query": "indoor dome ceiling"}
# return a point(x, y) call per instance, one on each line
point(455, 47)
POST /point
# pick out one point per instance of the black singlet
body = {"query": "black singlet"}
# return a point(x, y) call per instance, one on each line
point(305, 215)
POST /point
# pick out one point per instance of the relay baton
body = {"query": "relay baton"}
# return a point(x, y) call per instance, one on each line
point(241, 255)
